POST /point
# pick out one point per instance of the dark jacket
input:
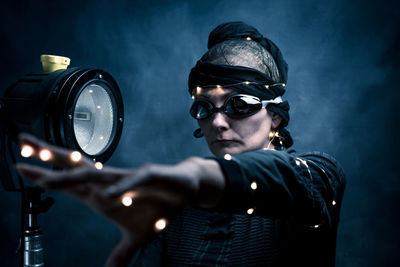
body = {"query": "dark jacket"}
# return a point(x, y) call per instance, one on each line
point(279, 209)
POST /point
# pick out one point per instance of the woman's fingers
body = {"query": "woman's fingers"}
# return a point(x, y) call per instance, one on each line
point(32, 172)
point(68, 179)
point(139, 176)
point(31, 146)
point(140, 213)
point(154, 176)
point(122, 253)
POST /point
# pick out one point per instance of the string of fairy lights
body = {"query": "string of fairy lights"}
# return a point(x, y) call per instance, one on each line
point(46, 155)
point(267, 86)
point(126, 199)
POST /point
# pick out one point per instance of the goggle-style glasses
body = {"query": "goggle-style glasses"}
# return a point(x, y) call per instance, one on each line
point(236, 106)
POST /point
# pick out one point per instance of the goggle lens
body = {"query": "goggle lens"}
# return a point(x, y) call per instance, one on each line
point(201, 111)
point(236, 106)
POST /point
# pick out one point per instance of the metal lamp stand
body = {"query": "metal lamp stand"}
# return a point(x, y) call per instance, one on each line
point(32, 205)
point(31, 202)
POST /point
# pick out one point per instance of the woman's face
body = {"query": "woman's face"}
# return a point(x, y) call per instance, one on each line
point(225, 135)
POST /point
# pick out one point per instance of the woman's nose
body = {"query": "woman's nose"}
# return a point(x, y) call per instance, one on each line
point(220, 121)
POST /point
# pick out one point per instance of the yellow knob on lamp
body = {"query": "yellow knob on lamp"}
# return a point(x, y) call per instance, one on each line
point(52, 63)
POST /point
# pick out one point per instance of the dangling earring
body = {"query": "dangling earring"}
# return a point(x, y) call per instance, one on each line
point(280, 140)
point(198, 133)
point(272, 135)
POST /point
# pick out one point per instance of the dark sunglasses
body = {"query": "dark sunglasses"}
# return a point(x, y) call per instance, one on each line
point(235, 106)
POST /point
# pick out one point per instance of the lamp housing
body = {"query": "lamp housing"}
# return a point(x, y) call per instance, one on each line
point(79, 109)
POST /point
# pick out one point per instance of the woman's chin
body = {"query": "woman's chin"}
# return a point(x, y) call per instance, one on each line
point(222, 151)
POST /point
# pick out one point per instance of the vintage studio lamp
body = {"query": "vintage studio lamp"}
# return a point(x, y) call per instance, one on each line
point(75, 108)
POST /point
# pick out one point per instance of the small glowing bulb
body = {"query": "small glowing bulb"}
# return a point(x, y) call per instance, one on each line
point(334, 203)
point(45, 154)
point(297, 162)
point(192, 96)
point(75, 156)
point(98, 165)
point(283, 84)
point(26, 151)
point(98, 107)
point(247, 82)
point(198, 90)
point(160, 224)
point(316, 226)
point(253, 185)
point(250, 211)
point(218, 86)
point(127, 199)
point(227, 157)
point(266, 86)
point(90, 90)
point(248, 38)
point(101, 137)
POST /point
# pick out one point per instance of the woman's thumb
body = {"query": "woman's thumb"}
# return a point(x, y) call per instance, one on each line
point(123, 252)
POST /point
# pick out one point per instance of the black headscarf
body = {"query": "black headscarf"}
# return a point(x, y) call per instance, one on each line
point(214, 68)
point(240, 30)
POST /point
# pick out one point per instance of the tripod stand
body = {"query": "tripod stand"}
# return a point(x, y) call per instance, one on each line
point(31, 246)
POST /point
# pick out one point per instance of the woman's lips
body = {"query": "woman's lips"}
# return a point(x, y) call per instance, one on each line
point(224, 142)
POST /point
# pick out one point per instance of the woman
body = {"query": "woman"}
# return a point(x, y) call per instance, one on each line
point(254, 204)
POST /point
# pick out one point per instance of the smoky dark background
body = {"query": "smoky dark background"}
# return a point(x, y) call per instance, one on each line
point(343, 89)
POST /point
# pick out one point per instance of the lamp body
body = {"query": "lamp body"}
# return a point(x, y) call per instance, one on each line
point(45, 104)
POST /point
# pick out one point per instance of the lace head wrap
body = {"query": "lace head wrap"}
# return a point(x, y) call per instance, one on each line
point(240, 57)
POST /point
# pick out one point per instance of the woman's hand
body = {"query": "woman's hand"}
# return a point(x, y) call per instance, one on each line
point(135, 199)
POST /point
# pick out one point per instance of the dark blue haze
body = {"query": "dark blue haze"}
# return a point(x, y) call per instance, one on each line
point(343, 68)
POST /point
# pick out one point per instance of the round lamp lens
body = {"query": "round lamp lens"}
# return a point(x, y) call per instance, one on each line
point(94, 119)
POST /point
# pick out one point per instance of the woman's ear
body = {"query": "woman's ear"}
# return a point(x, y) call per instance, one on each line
point(276, 120)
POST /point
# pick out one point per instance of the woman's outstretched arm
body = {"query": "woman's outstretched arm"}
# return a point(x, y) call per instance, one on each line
point(156, 191)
